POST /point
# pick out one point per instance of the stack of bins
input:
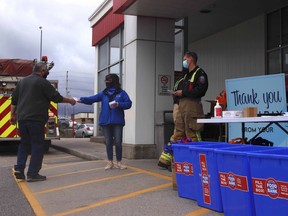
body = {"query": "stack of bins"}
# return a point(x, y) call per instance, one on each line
point(206, 172)
point(235, 182)
point(269, 175)
point(184, 168)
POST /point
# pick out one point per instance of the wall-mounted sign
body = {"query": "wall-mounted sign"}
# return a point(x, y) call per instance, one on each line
point(164, 84)
point(268, 94)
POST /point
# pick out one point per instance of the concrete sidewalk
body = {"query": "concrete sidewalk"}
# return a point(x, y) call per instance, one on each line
point(85, 149)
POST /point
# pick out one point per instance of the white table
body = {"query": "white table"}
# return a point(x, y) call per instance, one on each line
point(263, 119)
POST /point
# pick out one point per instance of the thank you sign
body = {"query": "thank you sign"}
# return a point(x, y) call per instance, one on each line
point(268, 94)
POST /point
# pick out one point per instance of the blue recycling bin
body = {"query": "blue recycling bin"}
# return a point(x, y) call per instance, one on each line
point(184, 168)
point(235, 180)
point(269, 176)
point(208, 192)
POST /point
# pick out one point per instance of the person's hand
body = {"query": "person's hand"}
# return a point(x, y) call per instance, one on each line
point(72, 101)
point(178, 93)
point(13, 119)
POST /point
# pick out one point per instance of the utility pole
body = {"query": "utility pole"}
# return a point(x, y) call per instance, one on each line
point(67, 95)
point(40, 27)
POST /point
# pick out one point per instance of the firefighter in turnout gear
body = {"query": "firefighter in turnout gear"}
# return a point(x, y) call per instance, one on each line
point(194, 87)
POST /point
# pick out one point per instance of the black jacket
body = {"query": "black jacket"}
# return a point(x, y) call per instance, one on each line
point(32, 97)
point(197, 88)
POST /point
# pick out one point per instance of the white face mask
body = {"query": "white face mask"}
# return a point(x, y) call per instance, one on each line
point(185, 64)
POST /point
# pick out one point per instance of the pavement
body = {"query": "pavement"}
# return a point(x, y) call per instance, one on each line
point(147, 191)
point(85, 149)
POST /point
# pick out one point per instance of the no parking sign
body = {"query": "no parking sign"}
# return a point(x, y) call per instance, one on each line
point(164, 84)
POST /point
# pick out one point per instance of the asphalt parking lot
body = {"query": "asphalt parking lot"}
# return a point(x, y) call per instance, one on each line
point(77, 186)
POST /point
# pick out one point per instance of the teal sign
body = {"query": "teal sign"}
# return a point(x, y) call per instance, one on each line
point(268, 94)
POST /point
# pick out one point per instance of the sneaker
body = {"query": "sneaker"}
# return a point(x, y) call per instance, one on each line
point(119, 165)
point(19, 174)
point(110, 165)
point(36, 178)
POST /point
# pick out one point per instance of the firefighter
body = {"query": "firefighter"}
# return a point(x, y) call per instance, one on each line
point(194, 87)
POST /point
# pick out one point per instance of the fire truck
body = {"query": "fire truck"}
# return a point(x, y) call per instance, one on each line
point(11, 72)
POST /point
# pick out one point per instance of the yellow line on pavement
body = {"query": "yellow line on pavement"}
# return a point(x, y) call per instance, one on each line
point(151, 173)
point(79, 171)
point(199, 212)
point(85, 183)
point(71, 164)
point(37, 208)
point(115, 199)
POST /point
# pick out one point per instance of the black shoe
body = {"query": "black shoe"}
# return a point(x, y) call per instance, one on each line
point(36, 178)
point(19, 174)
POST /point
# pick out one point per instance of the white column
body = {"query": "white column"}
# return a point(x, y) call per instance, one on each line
point(148, 52)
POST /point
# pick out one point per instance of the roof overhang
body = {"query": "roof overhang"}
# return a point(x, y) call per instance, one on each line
point(157, 8)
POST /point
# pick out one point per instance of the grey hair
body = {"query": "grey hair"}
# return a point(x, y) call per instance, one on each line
point(39, 67)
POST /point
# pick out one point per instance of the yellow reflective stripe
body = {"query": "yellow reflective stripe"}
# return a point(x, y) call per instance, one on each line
point(191, 80)
point(166, 156)
point(5, 105)
point(193, 76)
point(198, 134)
point(6, 118)
point(6, 133)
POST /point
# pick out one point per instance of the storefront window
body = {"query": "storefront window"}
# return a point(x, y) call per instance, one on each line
point(273, 30)
point(178, 50)
point(103, 53)
point(179, 47)
point(115, 48)
point(277, 41)
point(274, 62)
point(285, 26)
point(285, 60)
point(110, 54)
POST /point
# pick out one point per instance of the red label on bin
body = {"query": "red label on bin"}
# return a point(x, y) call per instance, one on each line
point(270, 187)
point(184, 168)
point(205, 179)
point(233, 181)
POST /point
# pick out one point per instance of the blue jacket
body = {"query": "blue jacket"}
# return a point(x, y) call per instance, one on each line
point(108, 115)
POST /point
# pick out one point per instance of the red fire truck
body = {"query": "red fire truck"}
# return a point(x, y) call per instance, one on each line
point(11, 72)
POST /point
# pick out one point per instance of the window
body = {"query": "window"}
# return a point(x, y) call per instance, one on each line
point(111, 57)
point(110, 60)
point(277, 42)
point(179, 45)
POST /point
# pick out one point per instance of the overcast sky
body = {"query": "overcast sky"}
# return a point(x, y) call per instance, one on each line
point(66, 38)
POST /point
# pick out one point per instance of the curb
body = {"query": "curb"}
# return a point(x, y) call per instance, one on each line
point(76, 153)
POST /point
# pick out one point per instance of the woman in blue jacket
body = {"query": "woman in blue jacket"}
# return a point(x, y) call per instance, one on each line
point(114, 101)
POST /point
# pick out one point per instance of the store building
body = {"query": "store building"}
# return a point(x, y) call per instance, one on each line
point(143, 41)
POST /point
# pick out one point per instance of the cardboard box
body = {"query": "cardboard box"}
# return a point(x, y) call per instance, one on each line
point(250, 111)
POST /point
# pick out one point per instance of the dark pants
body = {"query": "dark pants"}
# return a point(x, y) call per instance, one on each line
point(113, 134)
point(32, 135)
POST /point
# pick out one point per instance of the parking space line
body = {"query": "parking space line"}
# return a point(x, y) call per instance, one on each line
point(36, 206)
point(71, 164)
point(85, 183)
point(39, 210)
point(199, 212)
point(79, 171)
point(151, 173)
point(115, 199)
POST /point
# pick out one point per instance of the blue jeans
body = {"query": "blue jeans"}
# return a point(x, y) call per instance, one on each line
point(32, 135)
point(113, 134)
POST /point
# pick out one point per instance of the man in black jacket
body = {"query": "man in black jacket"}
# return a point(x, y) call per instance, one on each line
point(30, 102)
